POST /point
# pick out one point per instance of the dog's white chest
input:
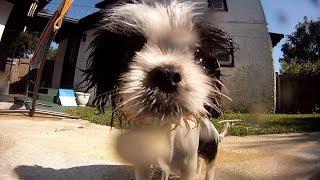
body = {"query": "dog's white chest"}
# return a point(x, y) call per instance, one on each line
point(184, 142)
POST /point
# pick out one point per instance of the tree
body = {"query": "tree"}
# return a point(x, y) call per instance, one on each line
point(51, 54)
point(301, 52)
point(26, 44)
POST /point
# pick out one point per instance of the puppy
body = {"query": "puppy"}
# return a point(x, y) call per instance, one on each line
point(157, 61)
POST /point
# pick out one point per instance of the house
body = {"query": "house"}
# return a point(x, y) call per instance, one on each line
point(251, 77)
point(5, 10)
point(13, 20)
point(248, 72)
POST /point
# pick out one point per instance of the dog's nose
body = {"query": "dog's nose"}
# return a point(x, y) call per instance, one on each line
point(166, 78)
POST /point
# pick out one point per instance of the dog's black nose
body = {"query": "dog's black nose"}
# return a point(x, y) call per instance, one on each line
point(166, 78)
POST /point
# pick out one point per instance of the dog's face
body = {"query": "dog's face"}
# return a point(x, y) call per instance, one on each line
point(166, 76)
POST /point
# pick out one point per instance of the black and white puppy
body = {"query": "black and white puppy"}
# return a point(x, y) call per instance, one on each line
point(157, 61)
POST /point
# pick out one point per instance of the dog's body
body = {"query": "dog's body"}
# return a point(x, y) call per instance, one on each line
point(176, 149)
point(162, 60)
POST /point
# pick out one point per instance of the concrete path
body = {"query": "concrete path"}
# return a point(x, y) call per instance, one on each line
point(51, 148)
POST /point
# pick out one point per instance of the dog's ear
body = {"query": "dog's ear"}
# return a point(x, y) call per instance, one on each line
point(213, 42)
point(110, 55)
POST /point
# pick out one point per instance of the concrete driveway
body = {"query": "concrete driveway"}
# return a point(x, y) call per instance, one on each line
point(52, 148)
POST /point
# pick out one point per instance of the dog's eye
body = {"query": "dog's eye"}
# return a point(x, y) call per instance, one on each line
point(198, 56)
point(197, 53)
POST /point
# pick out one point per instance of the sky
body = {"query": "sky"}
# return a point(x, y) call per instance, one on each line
point(79, 9)
point(282, 15)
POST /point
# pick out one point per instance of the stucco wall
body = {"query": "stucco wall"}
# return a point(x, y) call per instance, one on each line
point(82, 58)
point(5, 9)
point(251, 82)
point(58, 65)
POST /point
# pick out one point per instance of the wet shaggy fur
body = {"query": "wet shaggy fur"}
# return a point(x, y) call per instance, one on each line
point(114, 48)
point(156, 62)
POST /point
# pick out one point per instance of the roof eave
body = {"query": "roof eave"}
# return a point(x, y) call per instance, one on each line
point(275, 38)
point(103, 3)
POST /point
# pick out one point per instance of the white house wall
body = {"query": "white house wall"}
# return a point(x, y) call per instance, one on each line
point(251, 82)
point(5, 10)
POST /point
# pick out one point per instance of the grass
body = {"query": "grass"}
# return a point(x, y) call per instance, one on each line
point(258, 124)
point(92, 115)
point(253, 124)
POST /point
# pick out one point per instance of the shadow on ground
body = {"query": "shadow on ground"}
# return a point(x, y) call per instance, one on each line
point(283, 141)
point(98, 172)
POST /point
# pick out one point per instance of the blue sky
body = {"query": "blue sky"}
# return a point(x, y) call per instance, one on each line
point(79, 9)
point(282, 15)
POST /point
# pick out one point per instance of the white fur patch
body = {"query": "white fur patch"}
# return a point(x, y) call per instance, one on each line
point(153, 21)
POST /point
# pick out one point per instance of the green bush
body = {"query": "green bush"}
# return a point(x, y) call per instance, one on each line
point(295, 68)
point(301, 50)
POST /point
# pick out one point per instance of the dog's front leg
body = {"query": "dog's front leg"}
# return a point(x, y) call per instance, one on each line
point(199, 167)
point(189, 171)
point(165, 175)
point(142, 173)
point(165, 161)
point(210, 170)
point(165, 169)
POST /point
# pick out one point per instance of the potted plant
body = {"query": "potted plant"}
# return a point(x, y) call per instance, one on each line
point(82, 98)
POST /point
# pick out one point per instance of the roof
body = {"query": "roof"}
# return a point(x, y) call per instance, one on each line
point(69, 27)
point(103, 3)
point(275, 38)
point(90, 21)
point(41, 3)
point(48, 16)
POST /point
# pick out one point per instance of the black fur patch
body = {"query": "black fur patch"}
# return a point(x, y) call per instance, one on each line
point(212, 42)
point(110, 55)
point(208, 150)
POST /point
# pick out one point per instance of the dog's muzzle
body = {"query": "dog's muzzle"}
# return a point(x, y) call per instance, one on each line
point(166, 78)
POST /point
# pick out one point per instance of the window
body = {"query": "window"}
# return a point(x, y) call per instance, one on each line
point(220, 5)
point(226, 57)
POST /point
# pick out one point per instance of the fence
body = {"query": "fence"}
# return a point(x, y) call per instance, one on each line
point(19, 74)
point(298, 94)
point(16, 69)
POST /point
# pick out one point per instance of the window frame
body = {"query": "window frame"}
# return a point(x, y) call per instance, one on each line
point(210, 5)
point(230, 53)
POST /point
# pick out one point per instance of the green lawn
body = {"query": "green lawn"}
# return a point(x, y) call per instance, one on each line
point(253, 124)
point(91, 114)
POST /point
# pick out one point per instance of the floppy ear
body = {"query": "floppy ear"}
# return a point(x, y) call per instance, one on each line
point(110, 55)
point(213, 42)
